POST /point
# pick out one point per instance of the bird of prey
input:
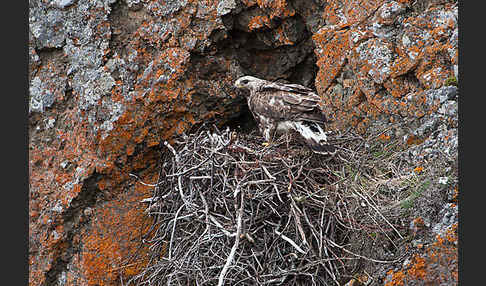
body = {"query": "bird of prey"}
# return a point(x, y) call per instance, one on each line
point(280, 108)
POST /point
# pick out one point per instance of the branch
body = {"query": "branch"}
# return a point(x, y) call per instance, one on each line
point(231, 256)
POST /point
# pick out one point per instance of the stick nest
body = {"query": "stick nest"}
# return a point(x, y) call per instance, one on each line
point(229, 210)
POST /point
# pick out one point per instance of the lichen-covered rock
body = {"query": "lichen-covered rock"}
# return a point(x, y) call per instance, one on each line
point(385, 53)
point(110, 80)
point(47, 26)
point(434, 146)
point(436, 265)
point(436, 132)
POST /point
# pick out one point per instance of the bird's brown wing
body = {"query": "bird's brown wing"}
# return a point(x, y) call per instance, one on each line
point(293, 101)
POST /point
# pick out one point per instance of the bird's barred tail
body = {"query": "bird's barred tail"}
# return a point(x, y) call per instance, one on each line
point(322, 148)
point(315, 137)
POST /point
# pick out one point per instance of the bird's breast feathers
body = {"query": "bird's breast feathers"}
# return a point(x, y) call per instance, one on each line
point(285, 126)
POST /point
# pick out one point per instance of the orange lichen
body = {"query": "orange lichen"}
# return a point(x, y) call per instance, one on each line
point(417, 270)
point(277, 8)
point(258, 22)
point(437, 265)
point(397, 278)
point(332, 48)
point(384, 137)
point(414, 140)
point(249, 3)
point(282, 36)
point(73, 147)
point(417, 225)
point(114, 236)
point(331, 13)
point(349, 12)
point(130, 150)
point(455, 194)
point(399, 86)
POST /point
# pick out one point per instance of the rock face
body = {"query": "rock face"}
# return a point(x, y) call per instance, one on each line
point(373, 58)
point(111, 80)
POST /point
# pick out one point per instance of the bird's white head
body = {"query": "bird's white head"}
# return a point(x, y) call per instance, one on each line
point(250, 83)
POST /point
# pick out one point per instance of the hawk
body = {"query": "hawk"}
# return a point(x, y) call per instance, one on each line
point(280, 108)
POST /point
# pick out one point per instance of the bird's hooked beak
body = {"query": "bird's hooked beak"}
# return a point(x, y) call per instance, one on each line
point(240, 88)
point(238, 84)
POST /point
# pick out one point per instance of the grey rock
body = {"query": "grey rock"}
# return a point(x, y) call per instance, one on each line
point(40, 97)
point(63, 3)
point(165, 7)
point(225, 7)
point(442, 94)
point(449, 217)
point(449, 109)
point(91, 85)
point(312, 12)
point(134, 5)
point(47, 27)
point(441, 137)
point(34, 62)
point(390, 10)
point(429, 125)
point(293, 29)
point(379, 56)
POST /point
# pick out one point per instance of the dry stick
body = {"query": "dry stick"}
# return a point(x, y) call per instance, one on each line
point(278, 193)
point(199, 177)
point(333, 276)
point(391, 225)
point(274, 186)
point(330, 250)
point(361, 256)
point(256, 259)
point(312, 228)
point(142, 182)
point(195, 167)
point(268, 173)
point(257, 182)
point(384, 232)
point(181, 192)
point(172, 150)
point(227, 233)
point(231, 256)
point(206, 212)
point(296, 212)
point(212, 167)
point(179, 177)
point(173, 231)
point(284, 237)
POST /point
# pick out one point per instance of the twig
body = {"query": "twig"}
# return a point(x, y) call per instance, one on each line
point(360, 256)
point(231, 256)
point(378, 212)
point(284, 237)
point(173, 231)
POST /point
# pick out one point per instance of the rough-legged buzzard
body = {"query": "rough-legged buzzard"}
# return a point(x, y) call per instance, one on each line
point(279, 107)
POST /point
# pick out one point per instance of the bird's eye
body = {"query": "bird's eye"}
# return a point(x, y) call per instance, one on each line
point(244, 81)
